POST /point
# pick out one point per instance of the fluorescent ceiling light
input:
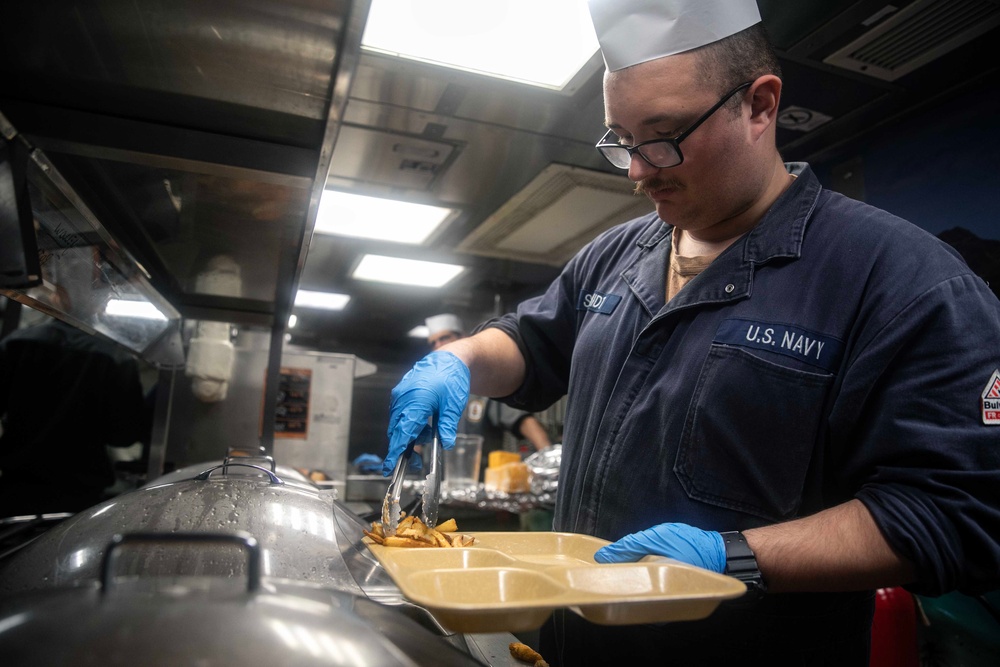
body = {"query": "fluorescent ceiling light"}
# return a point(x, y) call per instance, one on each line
point(322, 300)
point(405, 271)
point(374, 218)
point(419, 331)
point(137, 309)
point(293, 319)
point(544, 43)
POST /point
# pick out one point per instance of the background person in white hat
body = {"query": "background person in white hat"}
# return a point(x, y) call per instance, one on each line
point(765, 378)
point(485, 416)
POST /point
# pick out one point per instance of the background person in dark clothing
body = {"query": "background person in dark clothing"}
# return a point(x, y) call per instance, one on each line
point(64, 396)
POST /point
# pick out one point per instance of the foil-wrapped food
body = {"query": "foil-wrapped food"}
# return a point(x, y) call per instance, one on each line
point(543, 467)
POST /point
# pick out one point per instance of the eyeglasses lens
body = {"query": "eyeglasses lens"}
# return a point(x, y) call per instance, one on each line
point(619, 157)
point(658, 153)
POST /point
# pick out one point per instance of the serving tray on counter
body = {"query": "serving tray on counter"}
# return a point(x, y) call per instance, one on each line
point(512, 581)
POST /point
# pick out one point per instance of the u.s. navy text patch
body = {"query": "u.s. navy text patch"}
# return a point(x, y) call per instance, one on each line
point(597, 302)
point(807, 346)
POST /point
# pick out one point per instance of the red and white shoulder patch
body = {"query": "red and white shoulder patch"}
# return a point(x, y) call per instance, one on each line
point(991, 400)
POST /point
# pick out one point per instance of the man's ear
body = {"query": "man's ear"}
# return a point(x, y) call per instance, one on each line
point(765, 95)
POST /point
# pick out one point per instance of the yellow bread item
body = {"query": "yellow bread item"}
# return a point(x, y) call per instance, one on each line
point(501, 457)
point(509, 478)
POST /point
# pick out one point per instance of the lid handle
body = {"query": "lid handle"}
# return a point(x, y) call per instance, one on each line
point(232, 464)
point(245, 540)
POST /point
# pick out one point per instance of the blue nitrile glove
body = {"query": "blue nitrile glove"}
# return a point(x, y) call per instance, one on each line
point(416, 461)
point(679, 541)
point(437, 384)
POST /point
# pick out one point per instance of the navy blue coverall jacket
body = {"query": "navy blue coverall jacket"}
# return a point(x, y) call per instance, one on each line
point(833, 352)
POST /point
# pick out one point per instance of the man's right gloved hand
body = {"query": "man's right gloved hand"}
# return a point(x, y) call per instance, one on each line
point(704, 548)
point(438, 385)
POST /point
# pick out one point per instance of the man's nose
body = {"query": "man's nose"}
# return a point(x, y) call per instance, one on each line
point(639, 169)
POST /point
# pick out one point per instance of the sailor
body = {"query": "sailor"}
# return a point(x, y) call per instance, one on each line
point(765, 378)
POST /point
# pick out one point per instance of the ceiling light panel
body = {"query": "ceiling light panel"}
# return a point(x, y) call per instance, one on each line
point(321, 300)
point(399, 271)
point(347, 214)
point(557, 213)
point(142, 310)
point(540, 43)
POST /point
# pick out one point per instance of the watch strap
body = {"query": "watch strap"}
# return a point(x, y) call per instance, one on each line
point(741, 562)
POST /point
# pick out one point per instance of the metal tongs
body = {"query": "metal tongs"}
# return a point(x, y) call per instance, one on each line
point(431, 500)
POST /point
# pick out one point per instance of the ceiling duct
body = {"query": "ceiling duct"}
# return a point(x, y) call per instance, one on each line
point(387, 158)
point(916, 35)
point(555, 215)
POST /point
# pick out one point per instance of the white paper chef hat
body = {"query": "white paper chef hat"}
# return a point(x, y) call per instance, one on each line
point(444, 322)
point(635, 31)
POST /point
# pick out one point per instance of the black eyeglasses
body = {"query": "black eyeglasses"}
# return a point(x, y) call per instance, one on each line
point(660, 153)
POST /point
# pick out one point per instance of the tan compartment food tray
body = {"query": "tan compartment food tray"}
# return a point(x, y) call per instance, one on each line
point(509, 582)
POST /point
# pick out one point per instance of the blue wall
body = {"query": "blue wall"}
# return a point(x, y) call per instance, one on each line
point(939, 168)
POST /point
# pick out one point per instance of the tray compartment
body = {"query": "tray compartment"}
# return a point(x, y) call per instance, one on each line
point(486, 586)
point(485, 599)
point(646, 592)
point(544, 548)
point(420, 560)
point(649, 611)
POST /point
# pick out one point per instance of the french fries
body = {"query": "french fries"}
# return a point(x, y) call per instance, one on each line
point(525, 653)
point(415, 534)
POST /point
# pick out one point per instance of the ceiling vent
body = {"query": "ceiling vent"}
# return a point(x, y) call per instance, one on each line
point(915, 35)
point(386, 158)
point(555, 215)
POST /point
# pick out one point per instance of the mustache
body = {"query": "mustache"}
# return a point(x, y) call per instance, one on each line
point(653, 183)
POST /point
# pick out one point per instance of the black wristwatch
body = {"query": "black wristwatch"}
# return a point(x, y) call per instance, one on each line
point(742, 564)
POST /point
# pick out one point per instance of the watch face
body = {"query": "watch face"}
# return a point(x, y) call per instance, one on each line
point(742, 564)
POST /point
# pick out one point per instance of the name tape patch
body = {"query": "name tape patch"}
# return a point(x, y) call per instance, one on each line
point(597, 302)
point(792, 341)
point(991, 400)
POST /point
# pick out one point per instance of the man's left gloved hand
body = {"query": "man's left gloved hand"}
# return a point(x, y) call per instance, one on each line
point(679, 541)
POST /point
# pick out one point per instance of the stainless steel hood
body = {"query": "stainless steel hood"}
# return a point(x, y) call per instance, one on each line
point(191, 129)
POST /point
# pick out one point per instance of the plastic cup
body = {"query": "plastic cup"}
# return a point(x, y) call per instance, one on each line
point(461, 463)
